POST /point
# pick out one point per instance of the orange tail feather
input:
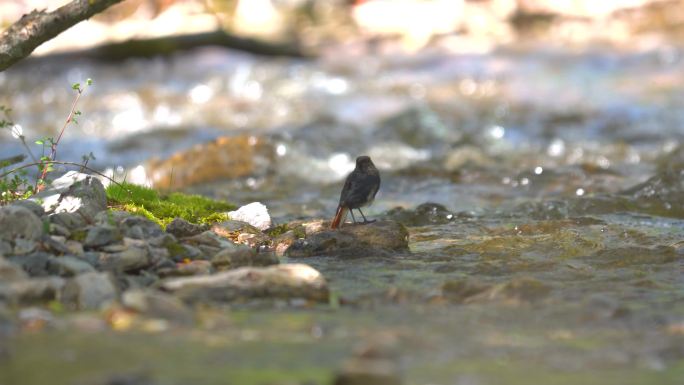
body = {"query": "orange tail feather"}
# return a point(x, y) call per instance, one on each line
point(340, 216)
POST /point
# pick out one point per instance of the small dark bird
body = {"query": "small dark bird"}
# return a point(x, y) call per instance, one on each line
point(359, 190)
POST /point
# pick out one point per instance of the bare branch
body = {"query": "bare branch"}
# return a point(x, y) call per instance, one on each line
point(37, 27)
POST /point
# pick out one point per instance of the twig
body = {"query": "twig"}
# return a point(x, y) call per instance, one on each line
point(65, 164)
point(53, 145)
point(12, 160)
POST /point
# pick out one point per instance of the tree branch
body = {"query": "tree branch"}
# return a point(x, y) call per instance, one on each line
point(37, 27)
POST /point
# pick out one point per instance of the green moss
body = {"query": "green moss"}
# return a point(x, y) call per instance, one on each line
point(163, 208)
point(79, 235)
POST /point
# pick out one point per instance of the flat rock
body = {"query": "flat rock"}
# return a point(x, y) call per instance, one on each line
point(74, 192)
point(353, 241)
point(281, 281)
point(19, 222)
point(89, 291)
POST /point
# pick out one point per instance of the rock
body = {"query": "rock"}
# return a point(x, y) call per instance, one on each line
point(181, 228)
point(31, 291)
point(424, 214)
point(353, 241)
point(68, 266)
point(187, 269)
point(74, 192)
point(240, 255)
point(57, 229)
point(516, 291)
point(131, 259)
point(138, 227)
point(368, 372)
point(156, 304)
point(102, 235)
point(74, 247)
point(17, 222)
point(55, 244)
point(31, 205)
point(164, 240)
point(10, 272)
point(208, 238)
point(35, 264)
point(5, 248)
point(89, 291)
point(255, 213)
point(70, 221)
point(662, 194)
point(23, 246)
point(281, 281)
point(283, 242)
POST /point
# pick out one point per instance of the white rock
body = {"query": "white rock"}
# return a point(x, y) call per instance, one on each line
point(255, 213)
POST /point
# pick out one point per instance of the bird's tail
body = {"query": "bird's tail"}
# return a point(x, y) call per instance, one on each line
point(340, 216)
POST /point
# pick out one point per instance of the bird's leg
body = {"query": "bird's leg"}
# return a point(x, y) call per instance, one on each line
point(352, 214)
point(364, 217)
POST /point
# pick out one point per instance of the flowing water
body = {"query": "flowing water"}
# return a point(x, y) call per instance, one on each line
point(552, 250)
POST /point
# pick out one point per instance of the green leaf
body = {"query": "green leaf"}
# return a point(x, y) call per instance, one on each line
point(40, 141)
point(89, 81)
point(76, 86)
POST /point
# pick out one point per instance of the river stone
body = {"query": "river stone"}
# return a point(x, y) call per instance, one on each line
point(70, 221)
point(241, 255)
point(140, 228)
point(31, 291)
point(281, 281)
point(19, 222)
point(68, 266)
point(515, 291)
point(31, 205)
point(35, 264)
point(361, 371)
point(10, 272)
point(186, 269)
point(156, 304)
point(5, 248)
point(101, 235)
point(131, 259)
point(353, 241)
point(181, 228)
point(74, 192)
point(23, 246)
point(255, 213)
point(208, 238)
point(89, 291)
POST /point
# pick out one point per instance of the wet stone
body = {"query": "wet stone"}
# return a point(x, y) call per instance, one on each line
point(282, 281)
point(17, 222)
point(101, 235)
point(354, 241)
point(424, 214)
point(240, 255)
point(89, 291)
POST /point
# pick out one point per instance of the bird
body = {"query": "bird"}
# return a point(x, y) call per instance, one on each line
point(359, 191)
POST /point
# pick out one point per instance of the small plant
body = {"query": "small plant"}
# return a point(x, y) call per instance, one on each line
point(14, 183)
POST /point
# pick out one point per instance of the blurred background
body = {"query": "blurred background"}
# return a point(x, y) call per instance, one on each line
point(488, 92)
point(544, 136)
